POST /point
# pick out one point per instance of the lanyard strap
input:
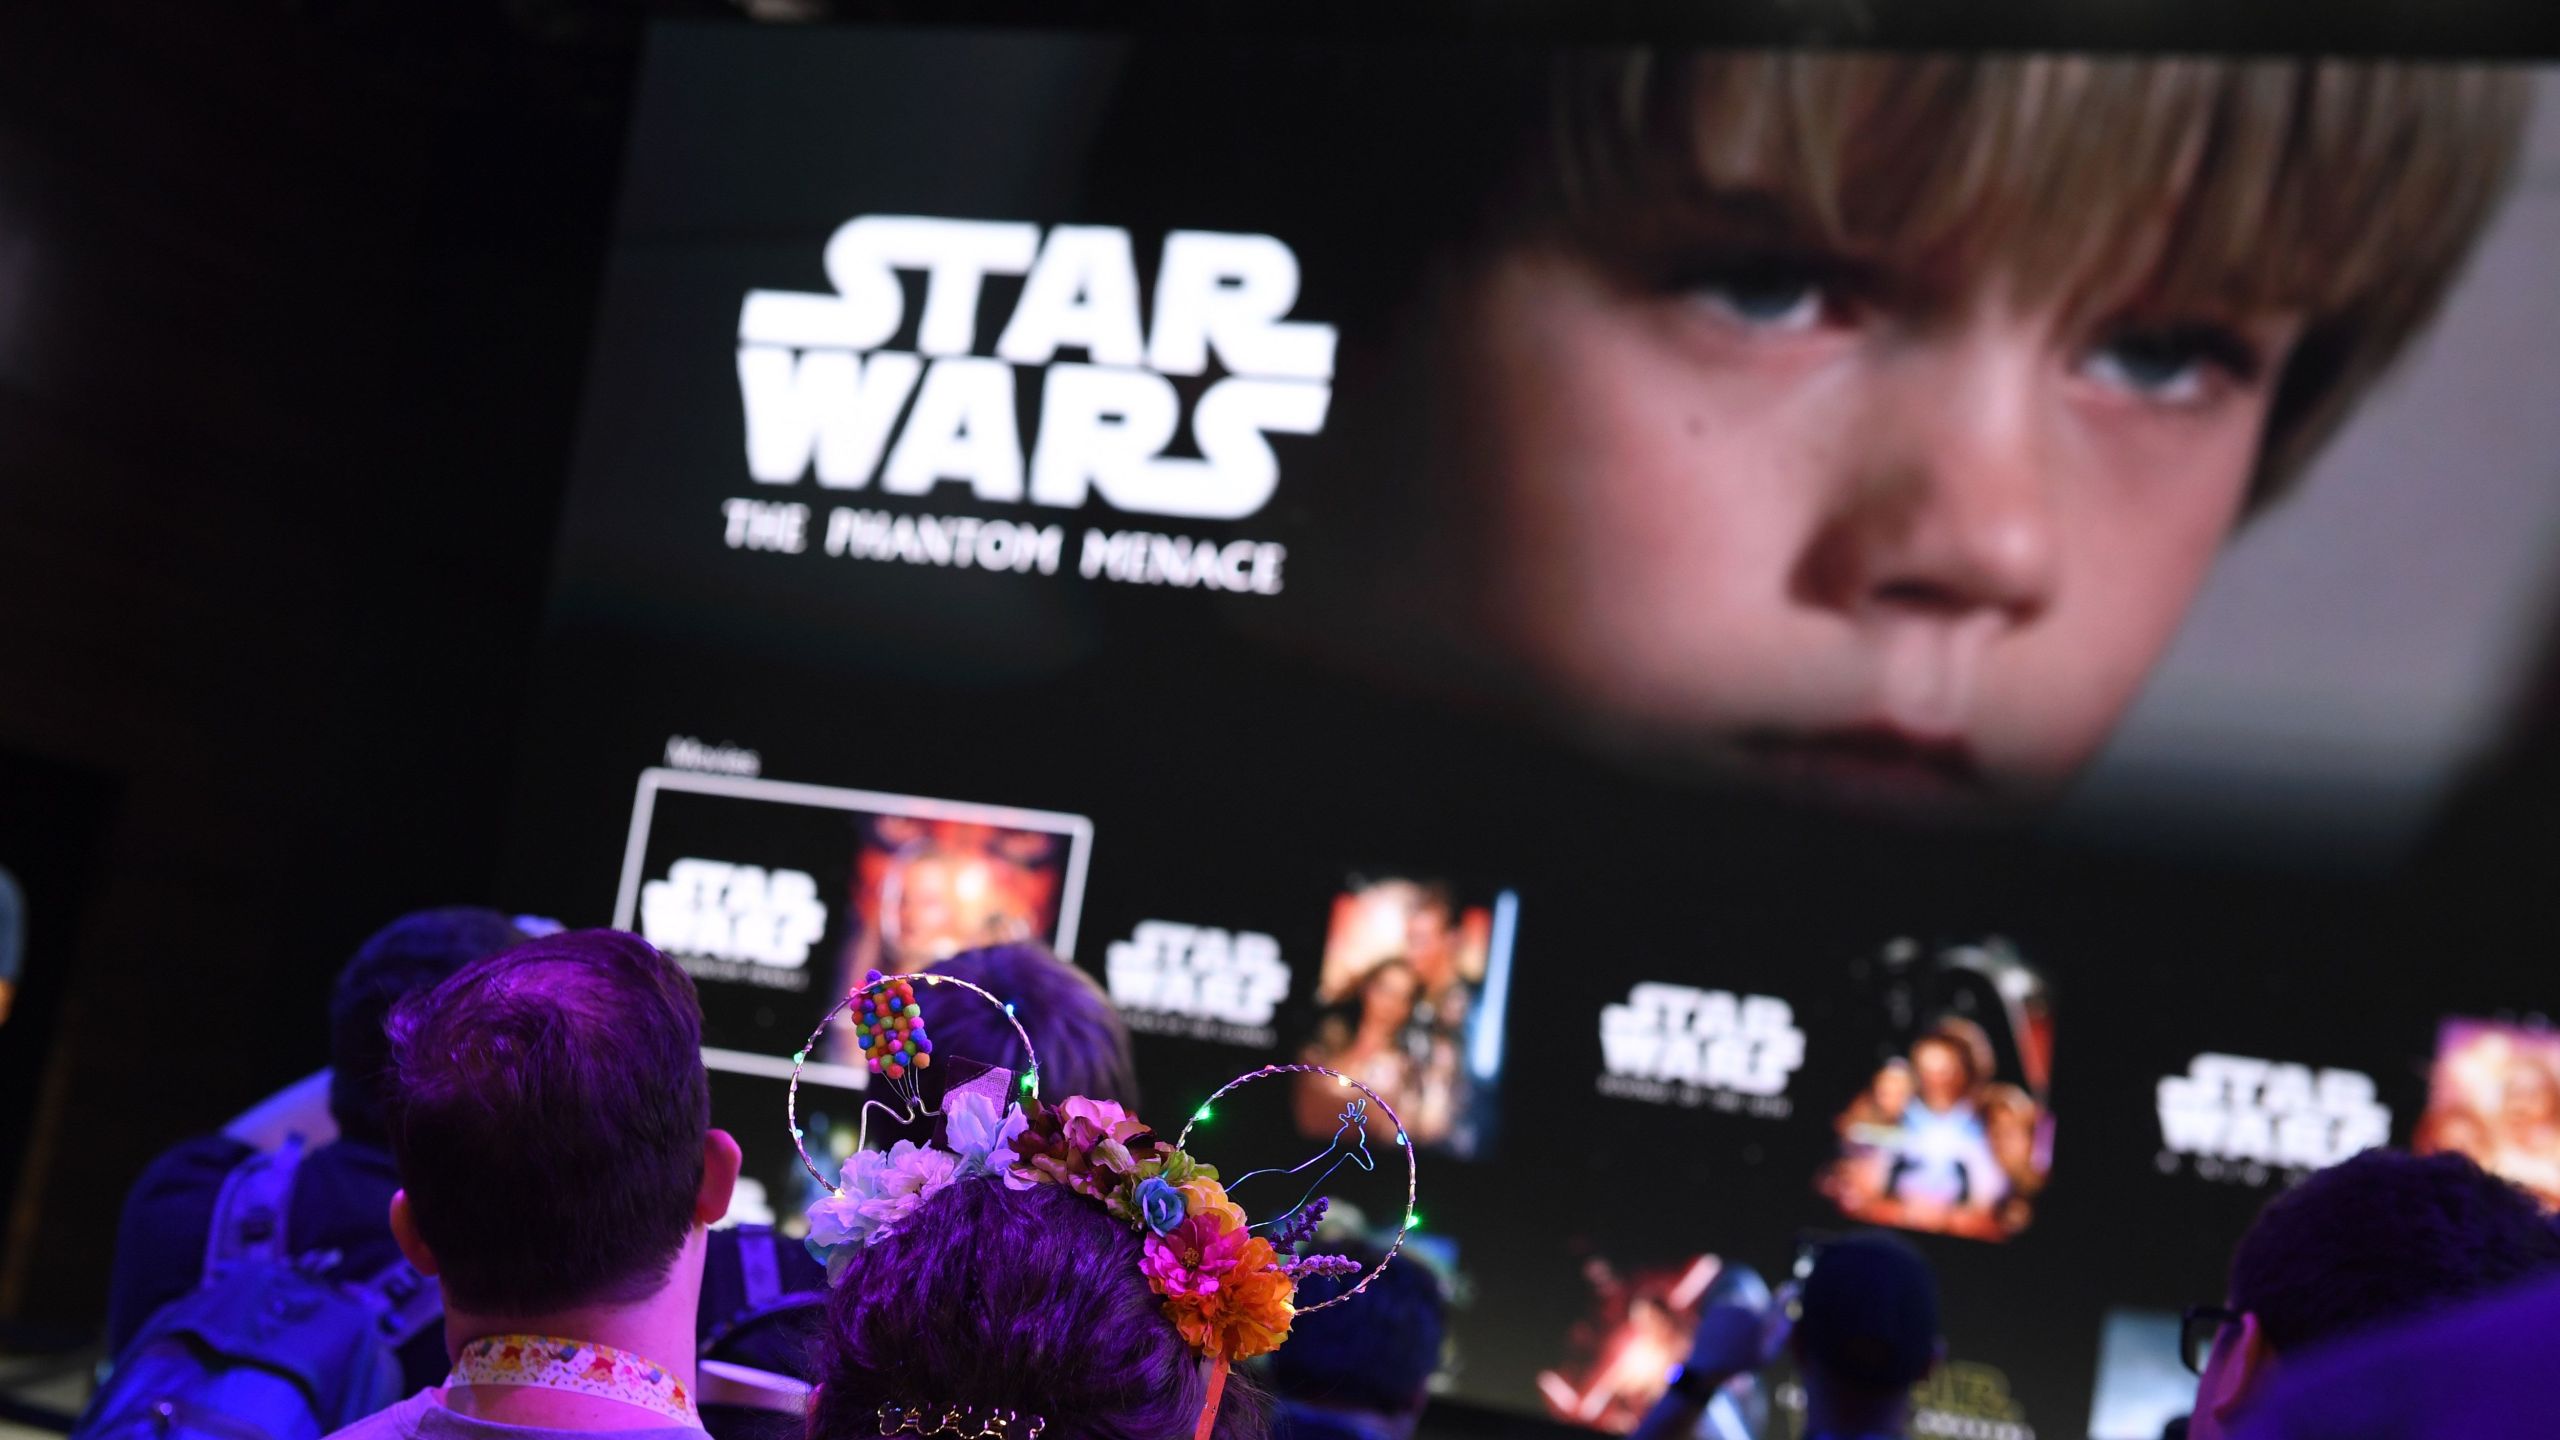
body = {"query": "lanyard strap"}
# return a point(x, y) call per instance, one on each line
point(581, 1367)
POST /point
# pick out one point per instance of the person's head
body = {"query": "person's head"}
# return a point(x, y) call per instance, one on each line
point(1386, 995)
point(1942, 1069)
point(946, 899)
point(2458, 1130)
point(1431, 935)
point(1866, 1331)
point(1893, 1087)
point(1373, 1354)
point(410, 954)
point(1026, 1300)
point(2381, 1237)
point(1083, 1045)
point(2529, 1094)
point(2009, 1116)
point(1867, 423)
point(937, 900)
point(550, 1116)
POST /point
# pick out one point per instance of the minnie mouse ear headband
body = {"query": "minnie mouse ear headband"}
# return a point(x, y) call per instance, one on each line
point(1229, 1282)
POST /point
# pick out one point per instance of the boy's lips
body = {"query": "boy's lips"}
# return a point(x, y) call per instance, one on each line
point(1871, 763)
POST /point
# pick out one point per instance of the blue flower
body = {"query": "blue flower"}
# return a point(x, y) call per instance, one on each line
point(1160, 1204)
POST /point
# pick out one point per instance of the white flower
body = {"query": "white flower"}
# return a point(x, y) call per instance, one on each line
point(886, 1186)
point(983, 1142)
point(833, 1221)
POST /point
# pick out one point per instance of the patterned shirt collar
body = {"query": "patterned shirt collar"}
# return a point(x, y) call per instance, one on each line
point(580, 1367)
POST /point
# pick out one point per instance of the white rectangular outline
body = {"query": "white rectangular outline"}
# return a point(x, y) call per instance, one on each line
point(778, 1067)
point(1077, 828)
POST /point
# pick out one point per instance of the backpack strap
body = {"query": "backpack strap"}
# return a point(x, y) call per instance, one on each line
point(404, 1301)
point(249, 1214)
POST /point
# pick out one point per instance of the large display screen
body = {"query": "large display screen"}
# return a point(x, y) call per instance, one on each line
point(1767, 642)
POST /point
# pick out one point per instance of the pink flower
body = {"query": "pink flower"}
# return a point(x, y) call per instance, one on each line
point(1192, 1257)
point(1103, 1130)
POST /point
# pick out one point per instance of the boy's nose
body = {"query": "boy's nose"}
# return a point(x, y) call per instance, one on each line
point(1945, 504)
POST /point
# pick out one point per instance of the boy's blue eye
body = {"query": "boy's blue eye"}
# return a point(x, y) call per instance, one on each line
point(2148, 368)
point(1765, 299)
point(1781, 292)
point(2173, 365)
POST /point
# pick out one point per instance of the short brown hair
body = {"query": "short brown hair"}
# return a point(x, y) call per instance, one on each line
point(2347, 191)
point(547, 1107)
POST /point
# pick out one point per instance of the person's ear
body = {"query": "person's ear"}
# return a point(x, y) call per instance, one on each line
point(720, 1162)
point(404, 1229)
point(2252, 1360)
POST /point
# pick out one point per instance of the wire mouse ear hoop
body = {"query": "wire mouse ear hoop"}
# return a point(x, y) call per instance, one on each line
point(1354, 1123)
point(897, 1048)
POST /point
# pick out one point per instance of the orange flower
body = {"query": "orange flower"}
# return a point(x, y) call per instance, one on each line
point(1204, 1196)
point(1223, 1289)
point(1258, 1307)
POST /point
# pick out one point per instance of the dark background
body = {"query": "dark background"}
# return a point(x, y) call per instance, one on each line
point(1237, 783)
point(294, 307)
point(289, 346)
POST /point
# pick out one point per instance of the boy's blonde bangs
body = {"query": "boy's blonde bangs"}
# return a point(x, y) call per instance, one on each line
point(2347, 192)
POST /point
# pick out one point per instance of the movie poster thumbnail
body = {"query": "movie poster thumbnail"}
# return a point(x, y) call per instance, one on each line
point(1952, 1132)
point(777, 897)
point(2143, 1385)
point(1617, 1359)
point(1412, 992)
point(2495, 1096)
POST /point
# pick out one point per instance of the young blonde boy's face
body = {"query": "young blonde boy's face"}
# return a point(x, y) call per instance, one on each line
point(1840, 528)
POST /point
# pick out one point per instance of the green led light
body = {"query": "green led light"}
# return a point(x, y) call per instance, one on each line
point(1201, 1116)
point(1413, 1219)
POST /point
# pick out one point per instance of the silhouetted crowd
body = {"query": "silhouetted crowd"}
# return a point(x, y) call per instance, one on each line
point(499, 1216)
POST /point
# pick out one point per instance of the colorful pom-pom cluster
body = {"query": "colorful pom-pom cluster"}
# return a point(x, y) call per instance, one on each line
point(892, 1027)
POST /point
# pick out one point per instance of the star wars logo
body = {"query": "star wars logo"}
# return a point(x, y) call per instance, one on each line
point(1674, 1045)
point(2234, 1118)
point(1960, 1400)
point(823, 393)
point(1198, 981)
point(739, 923)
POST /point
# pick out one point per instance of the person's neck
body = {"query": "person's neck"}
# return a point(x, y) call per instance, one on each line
point(659, 1328)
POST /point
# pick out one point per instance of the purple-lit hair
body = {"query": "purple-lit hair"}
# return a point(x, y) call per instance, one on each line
point(2382, 1236)
point(546, 1107)
point(1027, 1300)
point(1083, 1044)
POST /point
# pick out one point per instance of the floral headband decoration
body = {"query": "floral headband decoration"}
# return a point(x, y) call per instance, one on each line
point(1229, 1282)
